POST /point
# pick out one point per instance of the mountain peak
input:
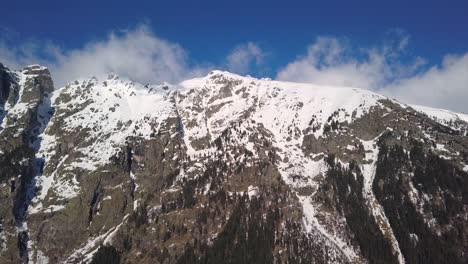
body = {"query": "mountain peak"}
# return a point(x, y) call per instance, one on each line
point(221, 75)
point(36, 69)
point(224, 73)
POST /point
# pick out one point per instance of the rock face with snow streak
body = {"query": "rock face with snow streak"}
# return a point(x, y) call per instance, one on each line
point(226, 169)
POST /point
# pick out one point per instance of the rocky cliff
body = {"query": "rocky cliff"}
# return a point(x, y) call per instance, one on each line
point(226, 169)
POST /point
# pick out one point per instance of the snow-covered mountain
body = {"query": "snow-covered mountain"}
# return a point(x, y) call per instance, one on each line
point(226, 169)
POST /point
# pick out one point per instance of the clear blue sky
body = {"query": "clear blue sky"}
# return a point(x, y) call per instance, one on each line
point(209, 29)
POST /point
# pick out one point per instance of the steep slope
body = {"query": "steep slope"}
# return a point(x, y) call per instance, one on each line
point(228, 169)
point(25, 104)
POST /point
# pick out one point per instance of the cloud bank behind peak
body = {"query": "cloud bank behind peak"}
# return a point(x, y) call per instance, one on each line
point(142, 56)
point(332, 61)
point(137, 53)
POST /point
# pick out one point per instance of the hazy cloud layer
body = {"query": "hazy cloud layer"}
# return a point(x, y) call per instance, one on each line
point(244, 57)
point(334, 62)
point(16, 54)
point(137, 54)
point(444, 86)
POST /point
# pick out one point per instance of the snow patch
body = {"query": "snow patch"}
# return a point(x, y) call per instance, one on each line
point(442, 116)
point(252, 191)
point(88, 249)
point(312, 224)
point(368, 172)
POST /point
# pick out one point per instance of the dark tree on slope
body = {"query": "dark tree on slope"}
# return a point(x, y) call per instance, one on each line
point(348, 189)
point(435, 178)
point(106, 255)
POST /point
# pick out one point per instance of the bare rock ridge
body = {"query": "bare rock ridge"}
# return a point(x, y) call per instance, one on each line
point(226, 169)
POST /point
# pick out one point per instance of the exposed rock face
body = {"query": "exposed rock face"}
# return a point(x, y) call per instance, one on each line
point(26, 113)
point(226, 169)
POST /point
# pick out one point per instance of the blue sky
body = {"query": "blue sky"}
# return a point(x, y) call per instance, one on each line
point(209, 29)
point(417, 41)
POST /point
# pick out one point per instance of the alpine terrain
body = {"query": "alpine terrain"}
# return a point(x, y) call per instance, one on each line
point(226, 169)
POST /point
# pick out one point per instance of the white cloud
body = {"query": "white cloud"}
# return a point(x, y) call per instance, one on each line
point(444, 86)
point(330, 61)
point(137, 54)
point(243, 57)
point(144, 57)
point(17, 56)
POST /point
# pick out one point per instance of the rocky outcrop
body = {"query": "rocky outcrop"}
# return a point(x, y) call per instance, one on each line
point(27, 111)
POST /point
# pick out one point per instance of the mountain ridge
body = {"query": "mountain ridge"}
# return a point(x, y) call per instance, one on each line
point(131, 164)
